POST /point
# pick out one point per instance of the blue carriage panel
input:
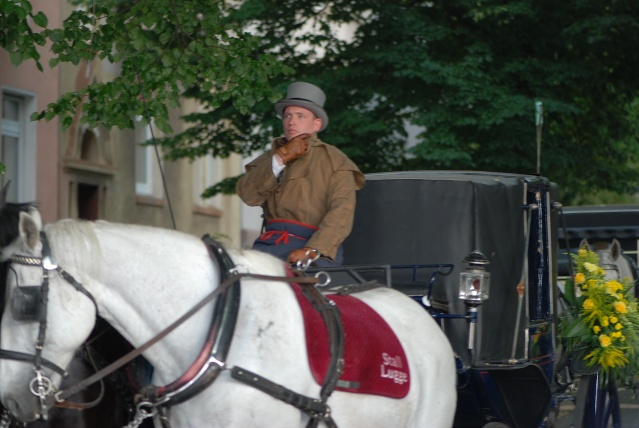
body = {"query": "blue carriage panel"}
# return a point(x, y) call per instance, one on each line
point(541, 349)
point(539, 253)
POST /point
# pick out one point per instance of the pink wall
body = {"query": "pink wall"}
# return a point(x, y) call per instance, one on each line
point(45, 85)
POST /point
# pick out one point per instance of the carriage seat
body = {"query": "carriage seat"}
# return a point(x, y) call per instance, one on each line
point(401, 278)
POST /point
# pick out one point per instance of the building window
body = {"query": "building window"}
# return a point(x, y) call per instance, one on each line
point(90, 147)
point(207, 171)
point(144, 162)
point(17, 147)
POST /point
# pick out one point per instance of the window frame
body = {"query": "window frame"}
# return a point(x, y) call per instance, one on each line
point(145, 187)
point(24, 189)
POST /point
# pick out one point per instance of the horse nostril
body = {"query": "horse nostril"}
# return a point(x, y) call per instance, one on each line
point(17, 411)
point(13, 406)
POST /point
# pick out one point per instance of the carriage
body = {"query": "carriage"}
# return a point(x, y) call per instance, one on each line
point(601, 223)
point(418, 230)
point(416, 221)
point(417, 233)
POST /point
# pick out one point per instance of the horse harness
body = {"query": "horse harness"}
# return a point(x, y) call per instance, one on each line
point(29, 303)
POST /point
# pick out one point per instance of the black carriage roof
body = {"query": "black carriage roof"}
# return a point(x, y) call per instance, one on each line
point(402, 215)
point(470, 176)
point(596, 223)
point(601, 222)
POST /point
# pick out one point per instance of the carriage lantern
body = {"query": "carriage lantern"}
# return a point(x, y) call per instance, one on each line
point(474, 281)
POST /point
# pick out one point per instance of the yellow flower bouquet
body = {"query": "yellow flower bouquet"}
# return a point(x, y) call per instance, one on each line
point(602, 323)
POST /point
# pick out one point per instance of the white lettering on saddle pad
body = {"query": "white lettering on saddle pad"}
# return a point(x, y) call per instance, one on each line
point(390, 369)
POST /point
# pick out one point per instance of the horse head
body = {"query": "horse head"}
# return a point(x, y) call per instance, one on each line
point(612, 259)
point(43, 323)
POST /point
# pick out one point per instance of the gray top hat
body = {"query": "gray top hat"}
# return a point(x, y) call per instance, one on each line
point(304, 95)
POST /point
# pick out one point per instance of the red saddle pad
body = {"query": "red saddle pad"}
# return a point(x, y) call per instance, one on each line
point(375, 362)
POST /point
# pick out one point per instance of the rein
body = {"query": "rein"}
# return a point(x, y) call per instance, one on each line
point(63, 394)
point(73, 405)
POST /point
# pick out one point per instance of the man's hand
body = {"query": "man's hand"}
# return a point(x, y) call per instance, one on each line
point(294, 148)
point(302, 255)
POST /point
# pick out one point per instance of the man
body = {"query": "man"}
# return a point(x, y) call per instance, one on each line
point(305, 186)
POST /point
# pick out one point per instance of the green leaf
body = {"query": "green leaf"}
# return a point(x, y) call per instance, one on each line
point(575, 328)
point(569, 292)
point(167, 60)
point(164, 38)
point(56, 35)
point(67, 121)
point(16, 58)
point(22, 13)
point(40, 19)
point(138, 43)
point(7, 7)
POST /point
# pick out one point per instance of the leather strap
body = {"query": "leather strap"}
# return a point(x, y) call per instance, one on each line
point(316, 409)
point(63, 394)
point(335, 331)
point(21, 356)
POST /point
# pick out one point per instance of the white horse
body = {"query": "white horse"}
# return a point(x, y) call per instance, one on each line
point(613, 260)
point(142, 279)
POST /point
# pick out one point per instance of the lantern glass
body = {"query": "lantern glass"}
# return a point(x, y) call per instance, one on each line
point(474, 285)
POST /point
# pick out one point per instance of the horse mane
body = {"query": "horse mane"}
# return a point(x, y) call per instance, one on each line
point(9, 218)
point(74, 242)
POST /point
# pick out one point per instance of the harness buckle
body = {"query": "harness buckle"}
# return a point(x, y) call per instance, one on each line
point(327, 278)
point(41, 386)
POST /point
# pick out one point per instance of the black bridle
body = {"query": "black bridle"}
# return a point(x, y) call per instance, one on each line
point(30, 303)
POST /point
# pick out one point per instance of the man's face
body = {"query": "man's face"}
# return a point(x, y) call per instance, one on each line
point(298, 120)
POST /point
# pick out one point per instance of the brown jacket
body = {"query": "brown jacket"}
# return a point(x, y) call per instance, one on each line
point(317, 189)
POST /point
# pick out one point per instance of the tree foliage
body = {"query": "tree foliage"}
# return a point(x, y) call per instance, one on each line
point(161, 47)
point(465, 74)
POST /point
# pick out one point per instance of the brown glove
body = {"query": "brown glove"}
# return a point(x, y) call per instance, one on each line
point(294, 148)
point(302, 255)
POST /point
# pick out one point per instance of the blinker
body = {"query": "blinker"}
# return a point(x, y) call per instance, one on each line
point(26, 304)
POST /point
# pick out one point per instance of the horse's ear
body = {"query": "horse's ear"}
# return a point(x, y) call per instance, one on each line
point(3, 195)
point(615, 249)
point(29, 226)
point(585, 244)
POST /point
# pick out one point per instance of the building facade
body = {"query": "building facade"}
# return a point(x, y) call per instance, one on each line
point(103, 173)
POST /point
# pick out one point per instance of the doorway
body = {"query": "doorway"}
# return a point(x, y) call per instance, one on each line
point(88, 201)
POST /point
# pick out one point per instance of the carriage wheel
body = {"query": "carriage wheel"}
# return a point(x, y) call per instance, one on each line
point(597, 404)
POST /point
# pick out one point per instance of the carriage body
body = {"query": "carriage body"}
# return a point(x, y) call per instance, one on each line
point(431, 218)
point(601, 223)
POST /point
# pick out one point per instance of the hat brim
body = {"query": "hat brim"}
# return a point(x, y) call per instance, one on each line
point(317, 110)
